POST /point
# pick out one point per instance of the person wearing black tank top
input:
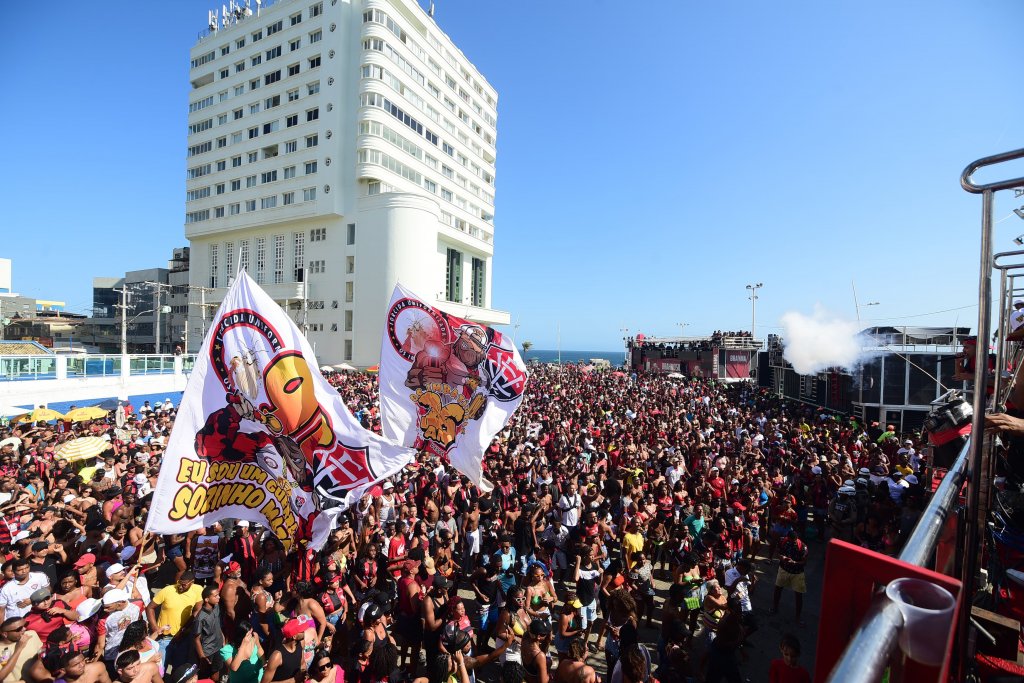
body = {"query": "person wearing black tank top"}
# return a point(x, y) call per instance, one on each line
point(285, 661)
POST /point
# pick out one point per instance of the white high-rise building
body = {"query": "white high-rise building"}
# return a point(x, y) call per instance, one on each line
point(335, 148)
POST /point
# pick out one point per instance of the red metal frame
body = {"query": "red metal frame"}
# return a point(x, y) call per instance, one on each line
point(852, 577)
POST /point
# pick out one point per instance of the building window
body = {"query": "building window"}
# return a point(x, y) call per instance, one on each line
point(295, 45)
point(261, 258)
point(318, 234)
point(272, 102)
point(316, 10)
point(278, 259)
point(310, 167)
point(309, 194)
point(295, 19)
point(313, 114)
point(314, 62)
point(268, 177)
point(349, 291)
point(350, 265)
point(268, 202)
point(234, 209)
point(292, 120)
point(243, 255)
point(293, 70)
point(313, 88)
point(348, 319)
point(315, 36)
point(312, 140)
point(350, 234)
point(255, 60)
point(318, 266)
point(271, 127)
point(214, 252)
point(272, 77)
point(479, 281)
point(250, 181)
point(289, 172)
point(236, 184)
point(229, 260)
point(250, 205)
point(254, 132)
point(291, 146)
point(257, 36)
point(218, 212)
point(293, 95)
point(453, 276)
point(240, 43)
point(275, 27)
point(298, 254)
point(220, 188)
point(288, 198)
point(348, 349)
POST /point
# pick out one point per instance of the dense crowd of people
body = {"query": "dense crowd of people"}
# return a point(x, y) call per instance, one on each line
point(626, 520)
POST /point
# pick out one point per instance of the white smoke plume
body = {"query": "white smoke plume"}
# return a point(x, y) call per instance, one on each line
point(814, 343)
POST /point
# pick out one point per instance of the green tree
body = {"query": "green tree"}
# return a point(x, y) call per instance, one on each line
point(527, 345)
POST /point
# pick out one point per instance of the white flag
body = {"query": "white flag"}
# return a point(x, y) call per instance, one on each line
point(261, 435)
point(447, 385)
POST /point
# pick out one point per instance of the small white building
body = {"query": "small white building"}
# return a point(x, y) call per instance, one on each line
point(335, 148)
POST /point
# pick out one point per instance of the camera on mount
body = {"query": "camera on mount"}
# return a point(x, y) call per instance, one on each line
point(948, 426)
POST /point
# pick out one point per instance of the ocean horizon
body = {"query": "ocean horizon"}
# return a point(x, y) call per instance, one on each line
point(551, 356)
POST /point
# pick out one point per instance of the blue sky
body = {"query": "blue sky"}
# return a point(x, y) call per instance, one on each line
point(652, 160)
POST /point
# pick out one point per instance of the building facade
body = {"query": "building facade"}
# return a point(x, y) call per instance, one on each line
point(336, 148)
point(903, 370)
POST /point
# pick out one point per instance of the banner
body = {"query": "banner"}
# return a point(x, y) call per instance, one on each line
point(447, 385)
point(261, 435)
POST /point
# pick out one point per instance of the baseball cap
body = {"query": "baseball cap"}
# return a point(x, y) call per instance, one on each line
point(88, 608)
point(39, 595)
point(242, 523)
point(114, 568)
point(115, 595)
point(234, 567)
point(388, 485)
point(293, 627)
point(88, 558)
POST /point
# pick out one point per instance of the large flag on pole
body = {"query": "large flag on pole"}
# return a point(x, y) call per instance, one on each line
point(261, 435)
point(447, 385)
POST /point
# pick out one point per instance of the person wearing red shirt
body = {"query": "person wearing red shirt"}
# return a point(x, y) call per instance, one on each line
point(48, 614)
point(786, 669)
point(396, 549)
point(717, 484)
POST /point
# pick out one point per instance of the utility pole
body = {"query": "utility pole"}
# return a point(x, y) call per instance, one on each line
point(125, 296)
point(753, 306)
point(202, 310)
point(158, 288)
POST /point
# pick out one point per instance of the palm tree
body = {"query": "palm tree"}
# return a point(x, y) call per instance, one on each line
point(527, 345)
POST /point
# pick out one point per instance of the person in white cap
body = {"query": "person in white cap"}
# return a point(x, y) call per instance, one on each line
point(128, 580)
point(119, 612)
point(386, 504)
point(1016, 321)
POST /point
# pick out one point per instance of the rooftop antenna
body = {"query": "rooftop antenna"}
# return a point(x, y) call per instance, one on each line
point(430, 12)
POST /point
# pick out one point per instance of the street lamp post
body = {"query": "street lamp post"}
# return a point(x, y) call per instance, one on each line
point(682, 329)
point(625, 345)
point(753, 307)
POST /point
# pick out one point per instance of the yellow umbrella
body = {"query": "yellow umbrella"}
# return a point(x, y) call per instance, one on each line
point(39, 415)
point(81, 414)
point(82, 448)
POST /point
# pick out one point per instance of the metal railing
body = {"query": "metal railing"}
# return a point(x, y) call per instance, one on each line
point(52, 367)
point(864, 660)
point(871, 646)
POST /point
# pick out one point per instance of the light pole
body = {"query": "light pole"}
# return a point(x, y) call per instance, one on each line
point(625, 345)
point(682, 329)
point(753, 307)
